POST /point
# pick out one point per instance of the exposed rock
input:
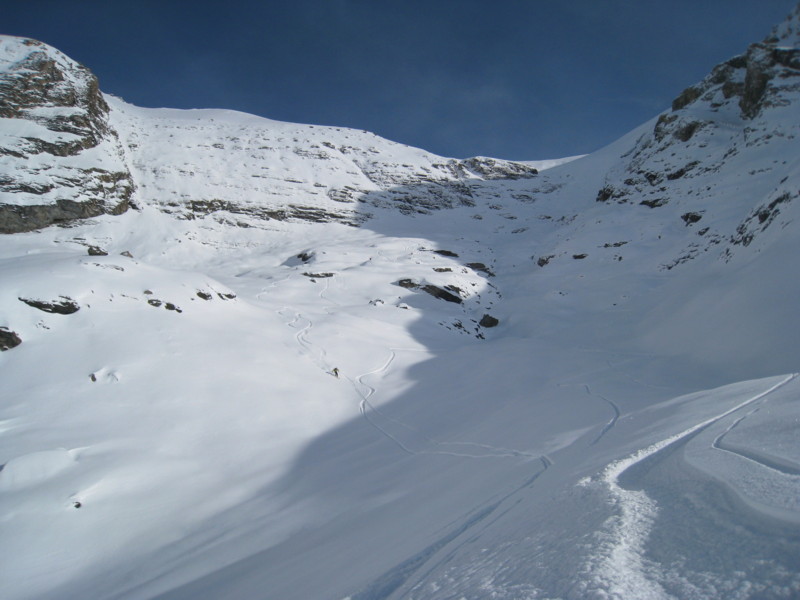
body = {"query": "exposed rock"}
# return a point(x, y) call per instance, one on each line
point(686, 97)
point(449, 253)
point(609, 192)
point(96, 251)
point(305, 256)
point(686, 132)
point(759, 61)
point(492, 168)
point(291, 212)
point(488, 321)
point(59, 104)
point(203, 295)
point(579, 256)
point(752, 77)
point(409, 284)
point(65, 306)
point(154, 302)
point(678, 173)
point(654, 203)
point(318, 275)
point(16, 218)
point(544, 260)
point(440, 293)
point(433, 290)
point(759, 219)
point(126, 253)
point(691, 217)
point(479, 266)
point(652, 178)
point(345, 195)
point(8, 339)
point(663, 125)
point(605, 193)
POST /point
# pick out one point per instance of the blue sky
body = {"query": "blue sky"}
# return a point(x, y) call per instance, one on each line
point(508, 78)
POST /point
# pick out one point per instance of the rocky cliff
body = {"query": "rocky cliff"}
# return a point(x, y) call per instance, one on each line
point(60, 158)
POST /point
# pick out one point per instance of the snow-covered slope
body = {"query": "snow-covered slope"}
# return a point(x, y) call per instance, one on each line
point(249, 169)
point(313, 363)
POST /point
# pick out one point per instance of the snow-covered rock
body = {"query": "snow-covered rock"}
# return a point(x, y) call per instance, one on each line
point(60, 160)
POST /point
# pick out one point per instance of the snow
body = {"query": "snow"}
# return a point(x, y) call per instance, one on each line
point(628, 430)
point(543, 165)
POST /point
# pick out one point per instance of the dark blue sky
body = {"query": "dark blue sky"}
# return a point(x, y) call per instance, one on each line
point(506, 78)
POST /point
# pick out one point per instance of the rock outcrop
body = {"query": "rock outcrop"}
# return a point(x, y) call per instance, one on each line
point(8, 339)
point(730, 126)
point(60, 159)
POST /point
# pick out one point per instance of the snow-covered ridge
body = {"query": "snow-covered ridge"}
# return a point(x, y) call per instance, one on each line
point(63, 158)
point(246, 169)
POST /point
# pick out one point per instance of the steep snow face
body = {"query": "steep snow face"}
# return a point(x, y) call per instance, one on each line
point(59, 158)
point(249, 169)
point(708, 189)
point(572, 384)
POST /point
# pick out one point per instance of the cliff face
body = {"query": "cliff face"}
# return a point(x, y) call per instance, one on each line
point(60, 159)
point(733, 131)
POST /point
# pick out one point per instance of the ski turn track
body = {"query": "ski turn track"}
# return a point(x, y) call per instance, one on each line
point(472, 449)
point(380, 421)
point(621, 571)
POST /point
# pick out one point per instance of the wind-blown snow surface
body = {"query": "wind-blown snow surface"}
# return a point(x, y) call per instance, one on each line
point(628, 430)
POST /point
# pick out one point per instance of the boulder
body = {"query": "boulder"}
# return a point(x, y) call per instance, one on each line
point(64, 306)
point(8, 339)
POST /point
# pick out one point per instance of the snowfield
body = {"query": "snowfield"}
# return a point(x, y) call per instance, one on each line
point(312, 363)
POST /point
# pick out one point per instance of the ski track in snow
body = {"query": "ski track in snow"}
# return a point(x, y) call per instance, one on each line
point(616, 413)
point(781, 465)
point(386, 585)
point(613, 421)
point(621, 570)
point(372, 415)
point(316, 353)
point(366, 406)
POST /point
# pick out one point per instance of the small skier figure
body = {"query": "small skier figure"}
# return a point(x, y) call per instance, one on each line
point(335, 372)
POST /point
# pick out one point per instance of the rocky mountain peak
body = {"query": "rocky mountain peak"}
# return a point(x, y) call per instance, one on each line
point(44, 78)
point(729, 127)
point(787, 34)
point(51, 108)
point(754, 79)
